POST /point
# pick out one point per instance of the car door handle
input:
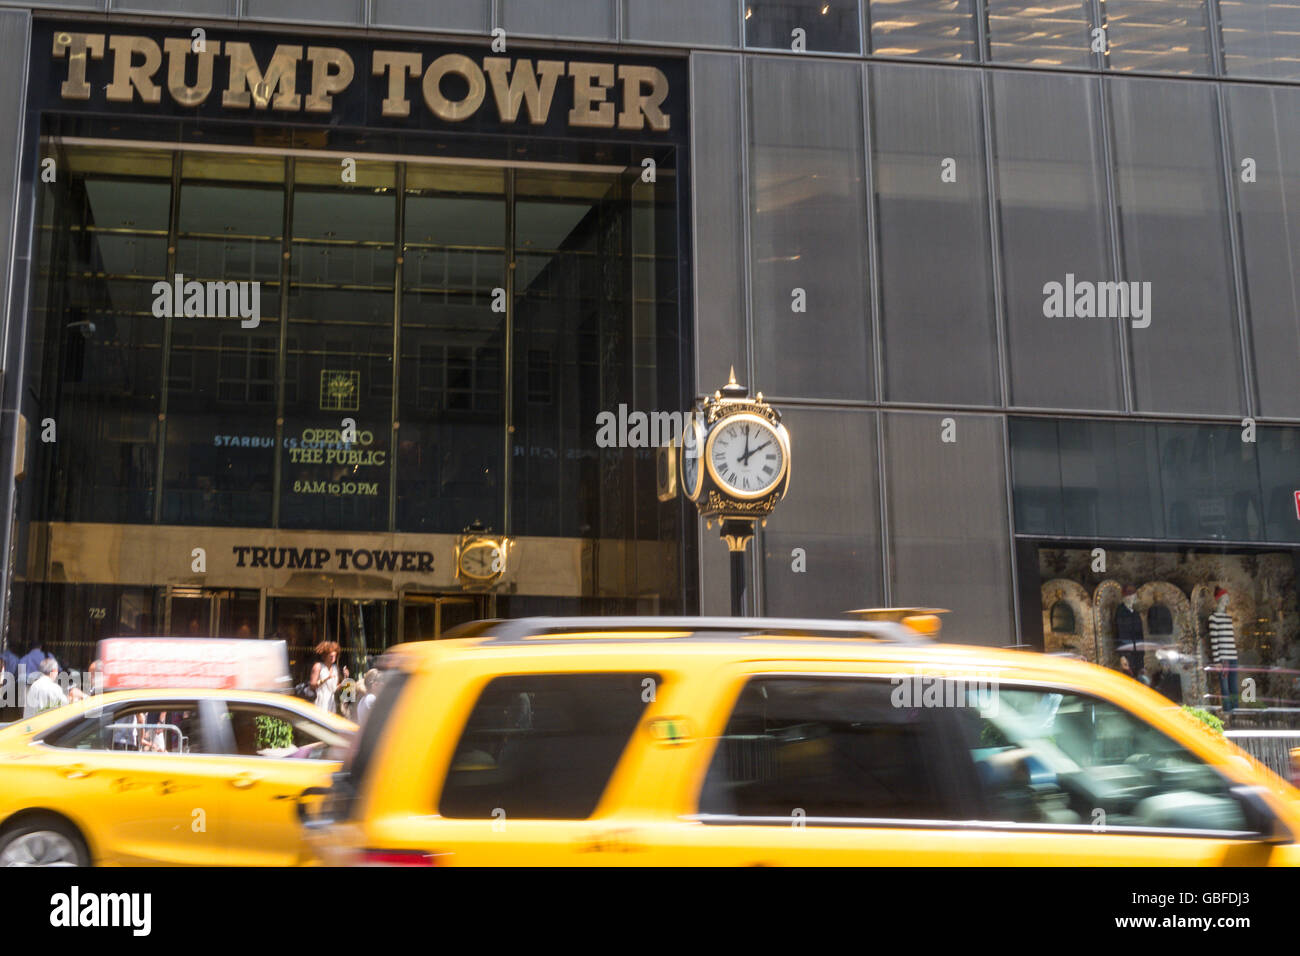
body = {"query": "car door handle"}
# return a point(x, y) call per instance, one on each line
point(244, 780)
point(75, 771)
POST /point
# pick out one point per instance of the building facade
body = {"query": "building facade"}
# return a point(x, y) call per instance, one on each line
point(1021, 278)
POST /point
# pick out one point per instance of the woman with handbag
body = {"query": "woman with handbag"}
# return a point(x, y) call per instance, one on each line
point(325, 676)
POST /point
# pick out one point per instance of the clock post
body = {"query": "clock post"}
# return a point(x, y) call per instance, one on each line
point(735, 466)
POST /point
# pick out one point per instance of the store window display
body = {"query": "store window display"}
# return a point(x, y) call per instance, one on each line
point(1218, 629)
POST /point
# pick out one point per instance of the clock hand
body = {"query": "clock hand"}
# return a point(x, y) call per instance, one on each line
point(745, 457)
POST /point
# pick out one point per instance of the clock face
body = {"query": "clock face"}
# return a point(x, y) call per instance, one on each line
point(482, 560)
point(691, 452)
point(746, 456)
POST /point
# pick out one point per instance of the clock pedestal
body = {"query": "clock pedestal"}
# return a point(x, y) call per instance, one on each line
point(737, 532)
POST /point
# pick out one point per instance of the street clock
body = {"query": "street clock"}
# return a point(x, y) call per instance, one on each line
point(734, 455)
point(480, 557)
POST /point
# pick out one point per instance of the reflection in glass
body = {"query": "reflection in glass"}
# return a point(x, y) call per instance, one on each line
point(1102, 479)
point(452, 417)
point(835, 522)
point(1261, 128)
point(1040, 32)
point(340, 350)
point(1261, 38)
point(934, 29)
point(1050, 179)
point(936, 273)
point(1160, 36)
point(948, 527)
point(1210, 481)
point(1174, 231)
point(220, 455)
point(808, 229)
point(105, 245)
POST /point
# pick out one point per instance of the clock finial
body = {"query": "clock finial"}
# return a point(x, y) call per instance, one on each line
point(733, 389)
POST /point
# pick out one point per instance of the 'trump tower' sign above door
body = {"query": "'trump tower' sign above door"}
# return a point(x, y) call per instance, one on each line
point(434, 85)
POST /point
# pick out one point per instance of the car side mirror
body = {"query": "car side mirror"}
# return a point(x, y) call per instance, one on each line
point(1260, 817)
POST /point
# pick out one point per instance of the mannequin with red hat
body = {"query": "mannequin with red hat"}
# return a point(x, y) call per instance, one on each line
point(1128, 631)
point(1223, 648)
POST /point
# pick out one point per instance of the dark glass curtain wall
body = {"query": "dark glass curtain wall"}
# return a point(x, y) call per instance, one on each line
point(388, 306)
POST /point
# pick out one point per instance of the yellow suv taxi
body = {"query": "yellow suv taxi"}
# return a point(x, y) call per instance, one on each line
point(648, 741)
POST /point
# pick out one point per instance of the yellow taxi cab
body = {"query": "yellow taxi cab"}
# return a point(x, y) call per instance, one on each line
point(648, 741)
point(165, 776)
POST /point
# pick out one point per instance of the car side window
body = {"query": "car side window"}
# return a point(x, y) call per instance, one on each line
point(1053, 756)
point(827, 747)
point(542, 746)
point(262, 731)
point(171, 726)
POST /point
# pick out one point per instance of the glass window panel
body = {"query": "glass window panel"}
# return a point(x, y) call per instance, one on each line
point(935, 29)
point(1110, 474)
point(1050, 180)
point(873, 757)
point(1041, 32)
point(1279, 470)
point(451, 441)
point(1261, 38)
point(1036, 476)
point(232, 168)
point(574, 18)
point(1079, 745)
point(1174, 229)
point(936, 276)
point(948, 526)
point(552, 742)
point(111, 160)
point(1164, 36)
point(137, 205)
point(104, 248)
point(220, 429)
point(339, 357)
point(697, 22)
point(569, 264)
point(231, 210)
point(473, 15)
point(719, 217)
point(832, 513)
point(1210, 481)
point(808, 229)
point(1263, 132)
point(828, 25)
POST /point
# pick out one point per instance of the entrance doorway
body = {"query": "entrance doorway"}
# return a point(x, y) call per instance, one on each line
point(212, 612)
point(362, 627)
point(427, 617)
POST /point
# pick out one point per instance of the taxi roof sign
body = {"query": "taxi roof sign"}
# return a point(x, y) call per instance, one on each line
point(922, 620)
point(128, 663)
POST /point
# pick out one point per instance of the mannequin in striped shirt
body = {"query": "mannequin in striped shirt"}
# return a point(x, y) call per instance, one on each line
point(1223, 648)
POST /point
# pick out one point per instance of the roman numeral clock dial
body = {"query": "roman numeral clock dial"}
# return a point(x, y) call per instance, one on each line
point(746, 456)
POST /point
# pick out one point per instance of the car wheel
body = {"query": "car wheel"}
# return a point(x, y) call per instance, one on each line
point(43, 841)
